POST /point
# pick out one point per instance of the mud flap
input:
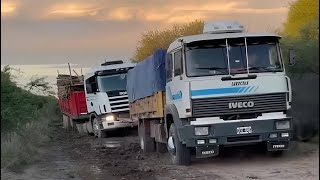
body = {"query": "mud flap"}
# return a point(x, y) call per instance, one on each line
point(277, 145)
point(207, 151)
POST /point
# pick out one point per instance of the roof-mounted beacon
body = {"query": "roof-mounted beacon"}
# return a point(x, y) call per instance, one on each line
point(222, 27)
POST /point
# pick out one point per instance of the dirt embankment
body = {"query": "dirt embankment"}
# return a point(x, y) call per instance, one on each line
point(73, 156)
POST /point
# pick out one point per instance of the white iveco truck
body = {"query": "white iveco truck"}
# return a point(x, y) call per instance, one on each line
point(225, 87)
point(106, 97)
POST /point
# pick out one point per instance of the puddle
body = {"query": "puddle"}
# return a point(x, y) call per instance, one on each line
point(112, 144)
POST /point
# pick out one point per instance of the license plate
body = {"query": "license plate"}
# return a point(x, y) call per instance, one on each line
point(278, 145)
point(244, 130)
point(204, 152)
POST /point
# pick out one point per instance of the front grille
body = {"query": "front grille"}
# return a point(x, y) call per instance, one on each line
point(219, 106)
point(119, 103)
point(243, 138)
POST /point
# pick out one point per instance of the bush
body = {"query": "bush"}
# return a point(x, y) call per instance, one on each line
point(25, 119)
point(21, 147)
point(301, 33)
point(156, 39)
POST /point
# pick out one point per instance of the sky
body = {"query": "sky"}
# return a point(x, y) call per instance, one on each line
point(45, 34)
point(83, 31)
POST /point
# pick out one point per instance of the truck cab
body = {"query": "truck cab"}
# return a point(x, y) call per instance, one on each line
point(226, 87)
point(106, 97)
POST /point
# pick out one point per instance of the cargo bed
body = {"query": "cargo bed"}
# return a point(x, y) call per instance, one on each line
point(148, 107)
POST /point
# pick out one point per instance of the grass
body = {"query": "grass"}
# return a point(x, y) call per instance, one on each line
point(25, 120)
point(22, 147)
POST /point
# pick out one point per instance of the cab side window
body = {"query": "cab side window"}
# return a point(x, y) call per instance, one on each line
point(178, 68)
point(91, 85)
point(169, 67)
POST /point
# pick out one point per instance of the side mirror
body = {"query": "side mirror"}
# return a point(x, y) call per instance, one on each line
point(292, 57)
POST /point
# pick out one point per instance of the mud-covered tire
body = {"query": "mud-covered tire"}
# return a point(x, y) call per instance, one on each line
point(96, 129)
point(147, 144)
point(181, 154)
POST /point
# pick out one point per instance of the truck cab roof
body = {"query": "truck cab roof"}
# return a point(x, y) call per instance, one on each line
point(208, 36)
point(92, 71)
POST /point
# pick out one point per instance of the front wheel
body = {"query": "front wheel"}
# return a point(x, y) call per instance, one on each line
point(96, 129)
point(180, 154)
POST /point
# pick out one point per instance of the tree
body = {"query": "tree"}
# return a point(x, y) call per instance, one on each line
point(301, 33)
point(156, 39)
point(40, 85)
point(301, 12)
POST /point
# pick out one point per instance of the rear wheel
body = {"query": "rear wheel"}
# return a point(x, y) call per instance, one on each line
point(96, 129)
point(180, 154)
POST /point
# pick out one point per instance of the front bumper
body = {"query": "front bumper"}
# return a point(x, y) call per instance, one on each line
point(226, 133)
point(117, 124)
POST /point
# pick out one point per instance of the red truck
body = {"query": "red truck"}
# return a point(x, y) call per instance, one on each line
point(72, 102)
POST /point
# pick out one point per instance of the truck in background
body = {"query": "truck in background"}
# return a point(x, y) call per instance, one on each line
point(96, 102)
point(225, 87)
point(106, 98)
point(71, 99)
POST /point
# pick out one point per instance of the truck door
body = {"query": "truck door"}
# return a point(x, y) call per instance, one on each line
point(91, 94)
point(176, 87)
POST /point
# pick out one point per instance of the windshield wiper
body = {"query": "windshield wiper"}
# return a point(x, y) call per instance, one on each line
point(222, 70)
point(260, 68)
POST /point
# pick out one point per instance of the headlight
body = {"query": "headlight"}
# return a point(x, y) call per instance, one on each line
point(282, 124)
point(201, 131)
point(109, 118)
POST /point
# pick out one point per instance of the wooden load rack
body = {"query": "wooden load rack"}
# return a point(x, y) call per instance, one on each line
point(67, 84)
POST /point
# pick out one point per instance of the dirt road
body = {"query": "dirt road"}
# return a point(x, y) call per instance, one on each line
point(72, 156)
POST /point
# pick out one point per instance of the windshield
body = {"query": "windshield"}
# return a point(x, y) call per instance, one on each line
point(210, 57)
point(109, 83)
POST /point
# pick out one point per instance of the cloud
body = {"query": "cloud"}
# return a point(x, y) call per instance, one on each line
point(8, 8)
point(181, 13)
point(121, 14)
point(73, 10)
point(166, 12)
point(82, 31)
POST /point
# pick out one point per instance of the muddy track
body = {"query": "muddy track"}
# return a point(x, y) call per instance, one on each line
point(72, 156)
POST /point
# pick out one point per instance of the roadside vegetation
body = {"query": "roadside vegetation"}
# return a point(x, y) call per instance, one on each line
point(161, 39)
point(25, 119)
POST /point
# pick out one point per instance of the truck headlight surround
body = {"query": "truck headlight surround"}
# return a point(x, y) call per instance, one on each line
point(284, 124)
point(201, 131)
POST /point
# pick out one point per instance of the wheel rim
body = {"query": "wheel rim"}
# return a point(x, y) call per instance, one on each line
point(171, 147)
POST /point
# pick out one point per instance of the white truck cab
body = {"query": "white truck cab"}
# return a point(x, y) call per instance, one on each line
point(227, 87)
point(106, 97)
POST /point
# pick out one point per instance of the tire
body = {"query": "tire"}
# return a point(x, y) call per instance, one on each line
point(87, 126)
point(180, 154)
point(147, 144)
point(96, 129)
point(262, 148)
